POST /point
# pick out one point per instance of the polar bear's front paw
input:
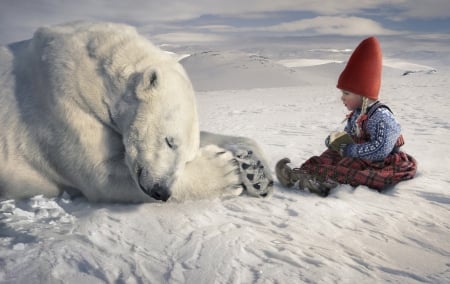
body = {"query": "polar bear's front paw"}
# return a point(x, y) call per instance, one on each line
point(223, 171)
point(214, 172)
point(252, 174)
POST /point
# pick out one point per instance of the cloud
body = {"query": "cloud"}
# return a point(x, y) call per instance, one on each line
point(19, 18)
point(351, 26)
point(419, 9)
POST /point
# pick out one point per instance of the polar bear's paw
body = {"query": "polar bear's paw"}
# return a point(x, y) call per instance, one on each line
point(224, 167)
point(252, 174)
point(214, 172)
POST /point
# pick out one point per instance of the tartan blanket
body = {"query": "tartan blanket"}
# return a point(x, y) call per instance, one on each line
point(378, 175)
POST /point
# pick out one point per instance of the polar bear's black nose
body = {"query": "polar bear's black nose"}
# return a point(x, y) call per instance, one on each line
point(159, 192)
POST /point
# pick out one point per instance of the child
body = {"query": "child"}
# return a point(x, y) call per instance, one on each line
point(370, 154)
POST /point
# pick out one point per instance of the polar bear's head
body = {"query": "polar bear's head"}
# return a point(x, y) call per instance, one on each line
point(158, 121)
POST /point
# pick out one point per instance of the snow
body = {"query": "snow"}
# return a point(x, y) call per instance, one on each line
point(356, 235)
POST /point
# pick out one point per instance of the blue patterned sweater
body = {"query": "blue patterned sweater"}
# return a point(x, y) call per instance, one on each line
point(384, 131)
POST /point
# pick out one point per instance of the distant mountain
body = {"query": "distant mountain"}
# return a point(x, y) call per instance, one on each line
point(235, 70)
point(214, 70)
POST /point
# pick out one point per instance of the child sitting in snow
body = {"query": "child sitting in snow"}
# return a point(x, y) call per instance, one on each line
point(368, 153)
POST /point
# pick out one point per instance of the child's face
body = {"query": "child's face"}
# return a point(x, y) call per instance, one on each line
point(351, 101)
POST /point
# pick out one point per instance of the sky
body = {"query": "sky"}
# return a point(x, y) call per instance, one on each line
point(214, 20)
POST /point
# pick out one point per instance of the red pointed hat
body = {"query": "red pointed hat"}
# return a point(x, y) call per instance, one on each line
point(362, 74)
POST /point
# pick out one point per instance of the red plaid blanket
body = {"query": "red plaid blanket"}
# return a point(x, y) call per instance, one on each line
point(356, 171)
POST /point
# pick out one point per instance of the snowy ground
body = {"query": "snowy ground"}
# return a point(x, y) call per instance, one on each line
point(356, 235)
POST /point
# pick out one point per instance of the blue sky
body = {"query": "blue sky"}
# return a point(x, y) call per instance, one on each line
point(204, 20)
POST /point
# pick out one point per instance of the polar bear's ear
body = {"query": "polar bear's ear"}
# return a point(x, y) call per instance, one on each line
point(150, 79)
point(144, 81)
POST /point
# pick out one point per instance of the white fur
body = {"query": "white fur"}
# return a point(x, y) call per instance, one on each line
point(96, 109)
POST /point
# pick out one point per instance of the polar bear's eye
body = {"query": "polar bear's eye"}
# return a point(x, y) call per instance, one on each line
point(171, 142)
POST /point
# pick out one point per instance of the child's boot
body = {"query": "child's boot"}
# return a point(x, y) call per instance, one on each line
point(284, 173)
point(314, 186)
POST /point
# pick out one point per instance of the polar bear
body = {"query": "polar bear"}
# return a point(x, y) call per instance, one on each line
point(96, 109)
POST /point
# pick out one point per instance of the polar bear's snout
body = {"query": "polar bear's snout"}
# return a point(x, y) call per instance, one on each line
point(157, 191)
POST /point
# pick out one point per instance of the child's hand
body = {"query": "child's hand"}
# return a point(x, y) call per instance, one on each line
point(337, 141)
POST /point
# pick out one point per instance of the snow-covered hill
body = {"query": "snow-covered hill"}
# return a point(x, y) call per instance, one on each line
point(219, 70)
point(237, 70)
